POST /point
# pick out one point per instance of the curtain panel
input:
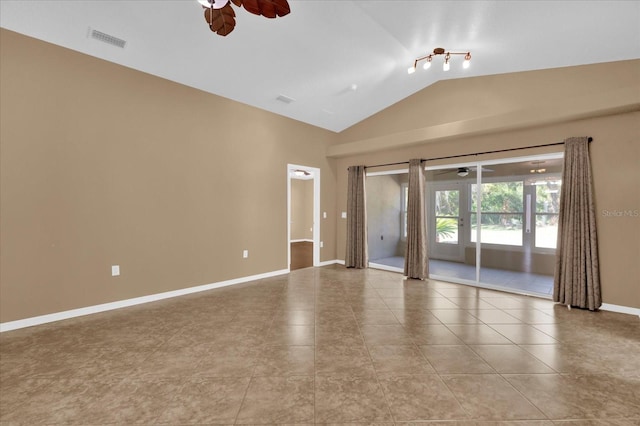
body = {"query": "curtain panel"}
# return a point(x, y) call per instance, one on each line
point(357, 252)
point(577, 271)
point(416, 262)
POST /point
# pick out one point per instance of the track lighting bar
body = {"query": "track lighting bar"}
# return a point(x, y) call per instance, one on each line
point(447, 57)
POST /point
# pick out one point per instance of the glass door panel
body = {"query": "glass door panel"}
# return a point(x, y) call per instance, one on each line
point(386, 219)
point(517, 213)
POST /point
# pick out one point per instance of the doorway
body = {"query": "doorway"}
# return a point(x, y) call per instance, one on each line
point(303, 216)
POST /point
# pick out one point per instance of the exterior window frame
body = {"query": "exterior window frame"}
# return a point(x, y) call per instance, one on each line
point(404, 198)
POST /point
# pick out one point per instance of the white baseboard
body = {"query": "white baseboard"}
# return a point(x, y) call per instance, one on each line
point(43, 319)
point(58, 316)
point(620, 309)
point(329, 262)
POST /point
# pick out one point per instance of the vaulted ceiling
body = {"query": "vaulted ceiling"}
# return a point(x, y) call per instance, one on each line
point(338, 61)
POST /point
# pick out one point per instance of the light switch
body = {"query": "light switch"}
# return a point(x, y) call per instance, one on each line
point(344, 215)
point(324, 215)
point(245, 254)
point(115, 270)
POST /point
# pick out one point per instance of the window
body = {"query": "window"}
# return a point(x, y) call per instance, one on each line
point(502, 213)
point(547, 207)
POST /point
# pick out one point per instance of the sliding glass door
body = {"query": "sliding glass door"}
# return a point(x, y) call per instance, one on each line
point(494, 224)
point(514, 213)
point(491, 224)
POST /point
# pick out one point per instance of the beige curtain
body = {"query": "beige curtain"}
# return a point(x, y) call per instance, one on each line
point(577, 273)
point(357, 253)
point(416, 261)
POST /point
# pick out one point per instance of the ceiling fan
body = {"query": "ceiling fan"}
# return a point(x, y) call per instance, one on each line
point(222, 19)
point(463, 171)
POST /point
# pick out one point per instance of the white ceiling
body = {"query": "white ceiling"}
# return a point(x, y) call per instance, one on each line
point(322, 48)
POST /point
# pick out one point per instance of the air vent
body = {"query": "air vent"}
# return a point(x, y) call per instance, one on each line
point(285, 99)
point(107, 38)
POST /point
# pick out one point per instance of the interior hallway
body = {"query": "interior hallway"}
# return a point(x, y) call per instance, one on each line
point(327, 345)
point(301, 255)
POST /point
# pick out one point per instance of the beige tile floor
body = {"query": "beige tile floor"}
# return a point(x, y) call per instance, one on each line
point(328, 345)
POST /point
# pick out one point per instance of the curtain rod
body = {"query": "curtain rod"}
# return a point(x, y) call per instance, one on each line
point(590, 139)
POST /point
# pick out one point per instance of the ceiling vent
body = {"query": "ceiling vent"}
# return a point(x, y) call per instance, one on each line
point(107, 38)
point(285, 99)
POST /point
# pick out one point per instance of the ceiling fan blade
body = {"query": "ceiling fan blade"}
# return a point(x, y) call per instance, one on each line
point(267, 8)
point(282, 7)
point(484, 169)
point(221, 21)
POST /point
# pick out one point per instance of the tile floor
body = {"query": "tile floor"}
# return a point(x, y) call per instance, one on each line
point(327, 345)
point(501, 279)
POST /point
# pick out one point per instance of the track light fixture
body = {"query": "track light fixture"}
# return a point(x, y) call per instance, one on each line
point(447, 60)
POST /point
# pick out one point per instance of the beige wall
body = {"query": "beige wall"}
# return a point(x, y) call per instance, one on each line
point(103, 165)
point(302, 209)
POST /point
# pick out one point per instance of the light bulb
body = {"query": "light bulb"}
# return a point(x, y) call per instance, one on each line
point(411, 70)
point(216, 4)
point(427, 64)
point(467, 61)
point(446, 66)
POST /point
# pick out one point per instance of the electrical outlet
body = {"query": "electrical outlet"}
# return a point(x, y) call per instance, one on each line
point(115, 270)
point(321, 244)
point(344, 215)
point(324, 215)
point(245, 254)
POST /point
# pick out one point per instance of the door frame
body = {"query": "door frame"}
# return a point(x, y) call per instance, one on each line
point(315, 173)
